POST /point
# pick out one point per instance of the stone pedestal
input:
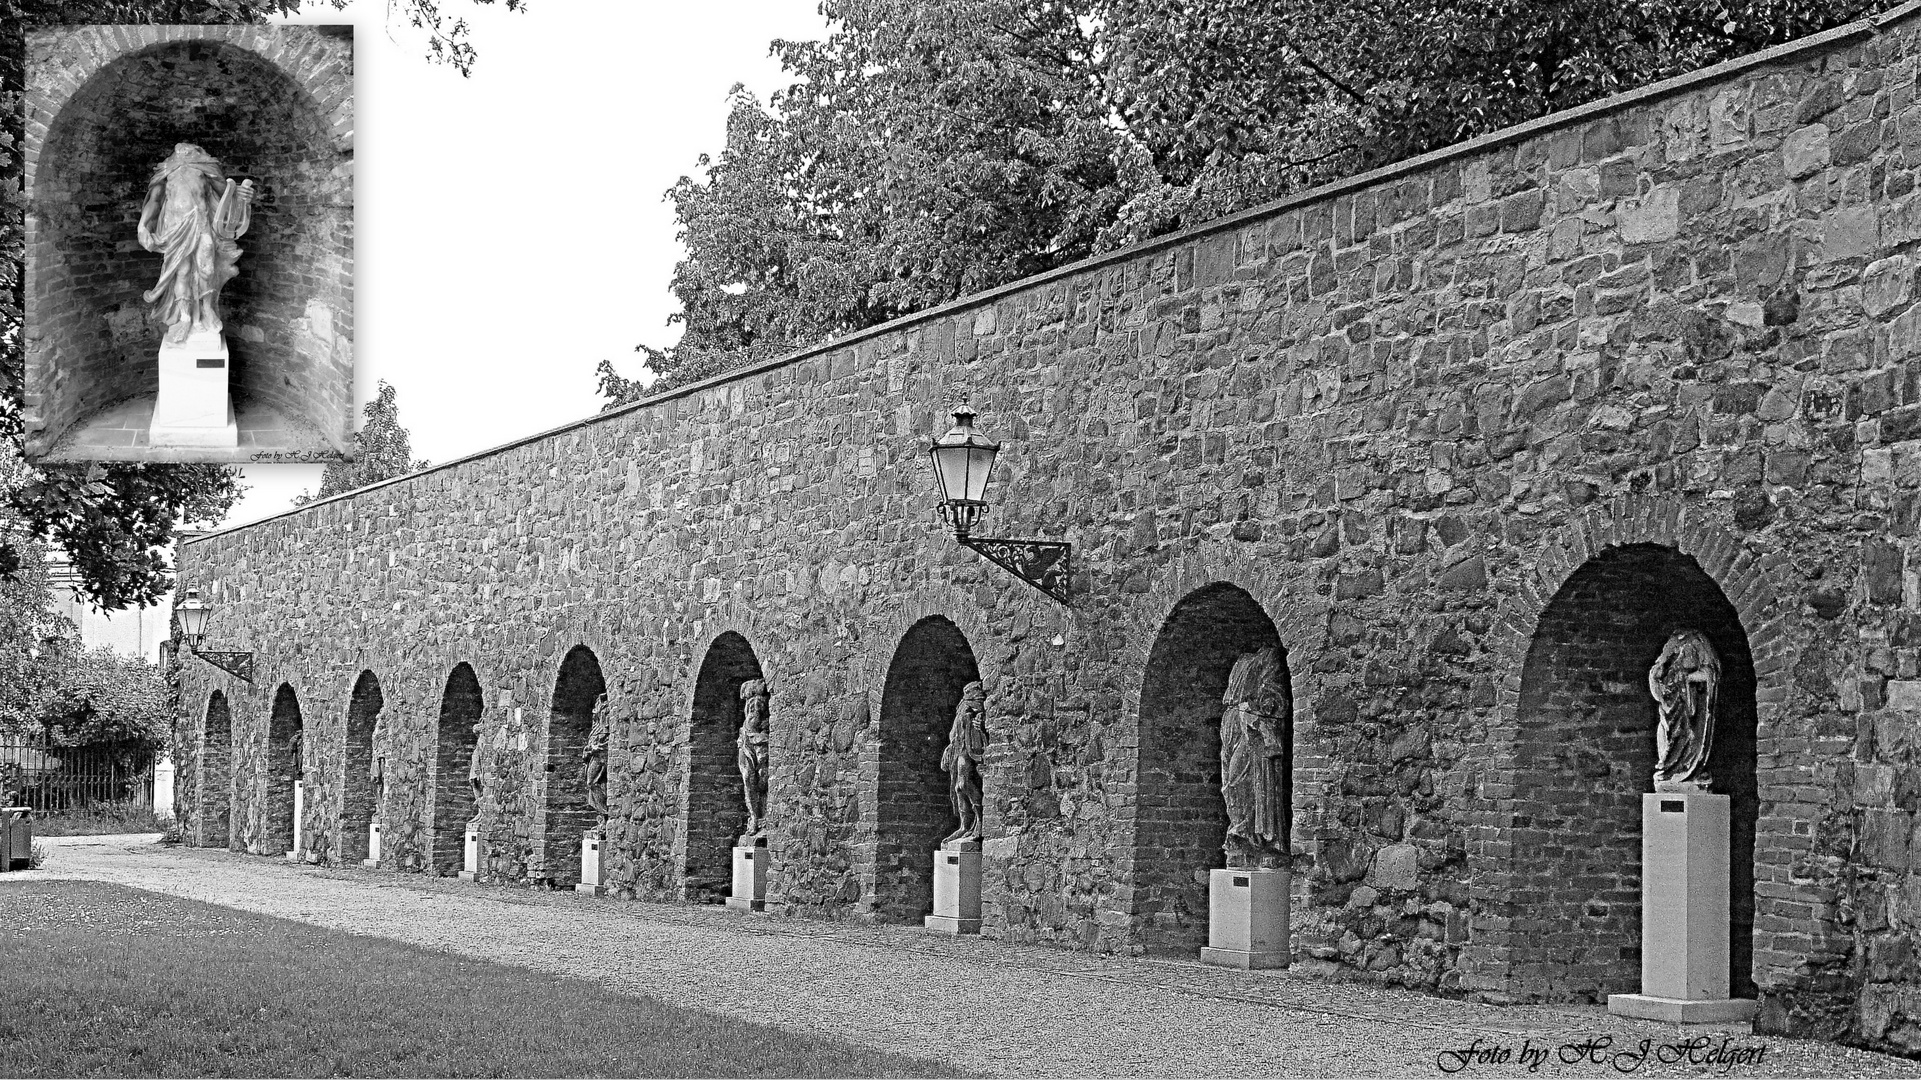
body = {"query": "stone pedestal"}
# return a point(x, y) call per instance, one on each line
point(470, 853)
point(750, 874)
point(1684, 913)
point(299, 813)
point(373, 846)
point(193, 408)
point(1247, 918)
point(957, 888)
point(590, 867)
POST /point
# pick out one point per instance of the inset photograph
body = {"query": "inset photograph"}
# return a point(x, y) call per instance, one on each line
point(190, 243)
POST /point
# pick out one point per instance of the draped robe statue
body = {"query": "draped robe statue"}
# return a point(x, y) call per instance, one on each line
point(966, 742)
point(752, 755)
point(1685, 680)
point(377, 763)
point(594, 762)
point(1254, 731)
point(475, 778)
point(192, 216)
point(293, 750)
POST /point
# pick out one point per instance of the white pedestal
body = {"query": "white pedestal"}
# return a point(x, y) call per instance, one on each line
point(750, 874)
point(470, 853)
point(590, 867)
point(163, 774)
point(299, 811)
point(1684, 912)
point(957, 889)
point(1247, 918)
point(373, 846)
point(193, 408)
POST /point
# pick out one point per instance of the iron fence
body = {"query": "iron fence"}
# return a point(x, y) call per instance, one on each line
point(55, 779)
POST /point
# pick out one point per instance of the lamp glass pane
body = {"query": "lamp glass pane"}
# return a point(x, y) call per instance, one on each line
point(980, 466)
point(193, 620)
point(951, 463)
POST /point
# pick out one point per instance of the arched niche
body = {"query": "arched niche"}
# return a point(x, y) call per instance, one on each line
point(284, 730)
point(715, 809)
point(1180, 817)
point(288, 315)
point(454, 742)
point(215, 786)
point(1585, 756)
point(568, 814)
point(359, 788)
point(931, 666)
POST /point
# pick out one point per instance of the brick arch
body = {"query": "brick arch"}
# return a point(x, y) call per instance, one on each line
point(214, 783)
point(883, 637)
point(359, 803)
point(713, 811)
point(1569, 607)
point(284, 723)
point(462, 706)
point(84, 53)
point(565, 725)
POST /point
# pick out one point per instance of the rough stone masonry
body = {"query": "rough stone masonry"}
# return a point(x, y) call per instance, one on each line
point(1467, 438)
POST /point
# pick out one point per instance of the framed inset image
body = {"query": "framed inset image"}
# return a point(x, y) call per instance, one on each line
point(190, 243)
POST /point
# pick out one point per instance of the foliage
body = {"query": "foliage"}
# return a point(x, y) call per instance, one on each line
point(182, 982)
point(381, 451)
point(103, 819)
point(930, 150)
point(115, 520)
point(105, 699)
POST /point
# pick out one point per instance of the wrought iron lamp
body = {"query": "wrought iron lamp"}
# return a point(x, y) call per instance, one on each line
point(193, 614)
point(963, 461)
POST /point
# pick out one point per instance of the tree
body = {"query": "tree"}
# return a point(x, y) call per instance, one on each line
point(930, 150)
point(381, 451)
point(115, 520)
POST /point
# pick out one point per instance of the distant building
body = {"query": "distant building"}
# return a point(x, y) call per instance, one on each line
point(136, 632)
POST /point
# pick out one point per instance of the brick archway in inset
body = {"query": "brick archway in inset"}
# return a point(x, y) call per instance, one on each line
point(215, 782)
point(1573, 741)
point(108, 104)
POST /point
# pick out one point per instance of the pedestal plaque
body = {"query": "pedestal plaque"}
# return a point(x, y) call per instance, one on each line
point(373, 846)
point(590, 867)
point(470, 853)
point(1247, 918)
point(193, 407)
point(299, 808)
point(957, 888)
point(750, 874)
point(1684, 913)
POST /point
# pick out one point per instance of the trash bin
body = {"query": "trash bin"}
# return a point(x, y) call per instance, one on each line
point(16, 849)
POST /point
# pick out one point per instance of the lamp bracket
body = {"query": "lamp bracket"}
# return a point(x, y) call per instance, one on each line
point(237, 664)
point(1044, 564)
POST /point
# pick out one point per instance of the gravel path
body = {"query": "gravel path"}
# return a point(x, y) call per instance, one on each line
point(986, 1006)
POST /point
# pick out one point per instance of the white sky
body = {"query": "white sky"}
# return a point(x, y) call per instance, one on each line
point(510, 230)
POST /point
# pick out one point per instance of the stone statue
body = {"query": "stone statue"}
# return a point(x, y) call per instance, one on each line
point(377, 751)
point(192, 216)
point(753, 752)
point(1254, 731)
point(475, 778)
point(1684, 680)
point(293, 750)
point(594, 759)
point(966, 742)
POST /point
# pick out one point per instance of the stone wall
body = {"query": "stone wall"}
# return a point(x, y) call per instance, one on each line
point(107, 105)
point(1467, 437)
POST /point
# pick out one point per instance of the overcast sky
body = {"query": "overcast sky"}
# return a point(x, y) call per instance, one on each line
point(510, 230)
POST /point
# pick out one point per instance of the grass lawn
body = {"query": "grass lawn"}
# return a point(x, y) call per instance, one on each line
point(102, 980)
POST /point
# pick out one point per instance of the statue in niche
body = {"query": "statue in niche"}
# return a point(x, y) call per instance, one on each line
point(1253, 759)
point(293, 751)
point(475, 778)
point(377, 763)
point(753, 740)
point(594, 762)
point(966, 742)
point(192, 216)
point(1684, 680)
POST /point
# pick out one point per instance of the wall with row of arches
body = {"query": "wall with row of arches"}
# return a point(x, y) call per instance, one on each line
point(1465, 438)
